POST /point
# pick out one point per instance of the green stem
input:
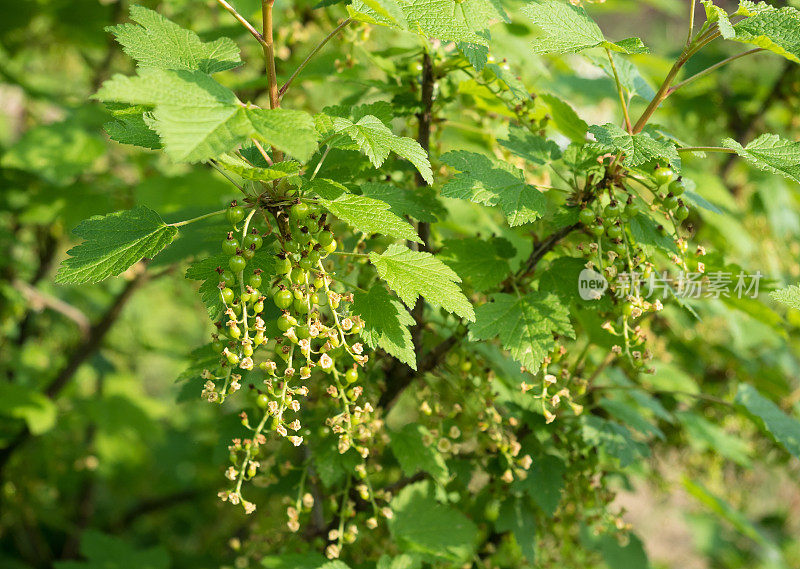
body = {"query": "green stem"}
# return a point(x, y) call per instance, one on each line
point(242, 20)
point(712, 69)
point(619, 91)
point(224, 173)
point(349, 254)
point(314, 52)
point(663, 91)
point(205, 216)
point(707, 149)
point(691, 22)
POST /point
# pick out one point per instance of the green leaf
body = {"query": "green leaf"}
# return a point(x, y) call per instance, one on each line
point(716, 15)
point(566, 28)
point(565, 118)
point(367, 215)
point(544, 482)
point(412, 274)
point(476, 54)
point(705, 436)
point(57, 153)
point(107, 552)
point(130, 126)
point(491, 182)
point(21, 402)
point(613, 439)
point(518, 517)
point(533, 148)
point(774, 29)
point(414, 448)
point(524, 324)
point(376, 141)
point(386, 323)
point(783, 428)
point(248, 171)
point(423, 525)
point(419, 203)
point(771, 153)
point(790, 296)
point(402, 561)
point(476, 261)
point(113, 243)
point(198, 119)
point(632, 555)
point(289, 130)
point(645, 232)
point(205, 270)
point(307, 560)
point(728, 513)
point(162, 44)
point(637, 148)
point(448, 20)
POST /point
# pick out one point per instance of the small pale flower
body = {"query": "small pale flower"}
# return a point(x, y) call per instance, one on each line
point(231, 473)
point(295, 405)
point(246, 363)
point(332, 551)
point(249, 507)
point(372, 523)
point(325, 362)
point(358, 348)
point(281, 430)
point(295, 440)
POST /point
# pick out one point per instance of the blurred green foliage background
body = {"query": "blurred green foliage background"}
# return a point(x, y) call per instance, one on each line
point(102, 448)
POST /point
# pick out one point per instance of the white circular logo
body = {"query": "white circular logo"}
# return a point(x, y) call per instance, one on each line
point(591, 284)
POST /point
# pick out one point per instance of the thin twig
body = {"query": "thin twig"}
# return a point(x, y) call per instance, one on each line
point(707, 149)
point(39, 300)
point(619, 92)
point(711, 69)
point(308, 58)
point(242, 20)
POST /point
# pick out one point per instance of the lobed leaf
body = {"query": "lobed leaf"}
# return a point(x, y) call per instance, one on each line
point(412, 274)
point(773, 29)
point(386, 323)
point(198, 119)
point(566, 28)
point(637, 148)
point(367, 215)
point(790, 296)
point(524, 325)
point(771, 153)
point(448, 20)
point(162, 44)
point(375, 140)
point(113, 243)
point(490, 182)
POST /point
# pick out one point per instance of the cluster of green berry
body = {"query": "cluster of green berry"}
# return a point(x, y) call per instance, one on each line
point(313, 330)
point(622, 260)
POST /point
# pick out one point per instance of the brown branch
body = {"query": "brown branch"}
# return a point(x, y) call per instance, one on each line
point(405, 375)
point(96, 336)
point(38, 301)
point(544, 248)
